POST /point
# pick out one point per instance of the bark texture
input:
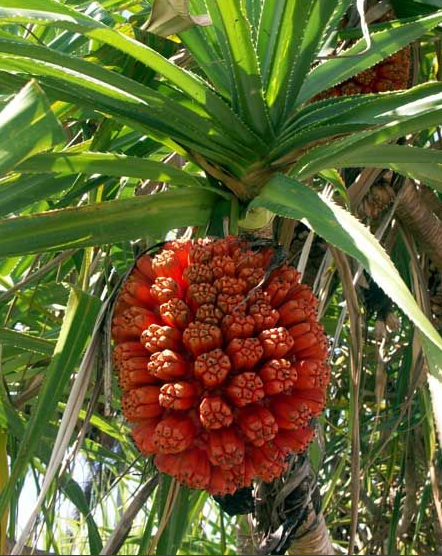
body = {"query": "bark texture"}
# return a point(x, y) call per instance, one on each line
point(417, 213)
point(315, 540)
point(287, 516)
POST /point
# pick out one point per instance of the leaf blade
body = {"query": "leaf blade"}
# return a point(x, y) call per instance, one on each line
point(27, 126)
point(106, 222)
point(26, 342)
point(108, 164)
point(237, 31)
point(29, 11)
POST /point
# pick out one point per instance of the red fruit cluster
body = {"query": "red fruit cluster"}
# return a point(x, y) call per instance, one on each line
point(392, 74)
point(221, 378)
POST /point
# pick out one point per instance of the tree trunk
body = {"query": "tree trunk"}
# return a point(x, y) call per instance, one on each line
point(315, 540)
point(287, 517)
point(420, 218)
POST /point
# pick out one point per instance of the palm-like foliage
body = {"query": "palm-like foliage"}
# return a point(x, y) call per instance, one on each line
point(238, 106)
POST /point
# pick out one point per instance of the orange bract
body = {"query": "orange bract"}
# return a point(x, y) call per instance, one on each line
point(245, 388)
point(278, 375)
point(215, 413)
point(212, 368)
point(221, 360)
point(173, 434)
point(164, 289)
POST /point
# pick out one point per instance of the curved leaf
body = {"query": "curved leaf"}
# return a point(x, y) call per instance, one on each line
point(26, 341)
point(243, 58)
point(27, 126)
point(290, 34)
point(279, 44)
point(59, 15)
point(366, 108)
point(162, 114)
point(19, 191)
point(424, 165)
point(206, 52)
point(108, 164)
point(324, 156)
point(106, 222)
point(78, 323)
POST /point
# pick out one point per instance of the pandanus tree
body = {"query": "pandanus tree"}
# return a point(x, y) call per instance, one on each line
point(126, 124)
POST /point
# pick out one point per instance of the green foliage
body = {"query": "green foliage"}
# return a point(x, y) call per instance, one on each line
point(112, 138)
point(28, 123)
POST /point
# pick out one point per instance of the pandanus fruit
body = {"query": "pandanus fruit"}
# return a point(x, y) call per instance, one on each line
point(221, 361)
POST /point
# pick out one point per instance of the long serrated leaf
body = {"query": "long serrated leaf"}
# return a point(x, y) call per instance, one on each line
point(324, 14)
point(106, 222)
point(322, 157)
point(206, 52)
point(79, 387)
point(381, 155)
point(108, 164)
point(400, 113)
point(69, 486)
point(208, 47)
point(367, 109)
point(76, 495)
point(27, 126)
point(4, 475)
point(272, 13)
point(280, 36)
point(434, 381)
point(292, 199)
point(26, 341)
point(78, 323)
point(59, 15)
point(135, 113)
point(119, 93)
point(424, 165)
point(249, 100)
point(428, 174)
point(172, 536)
point(355, 59)
point(21, 191)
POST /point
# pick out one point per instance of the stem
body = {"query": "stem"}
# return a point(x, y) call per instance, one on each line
point(234, 213)
point(4, 477)
point(223, 532)
point(316, 541)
